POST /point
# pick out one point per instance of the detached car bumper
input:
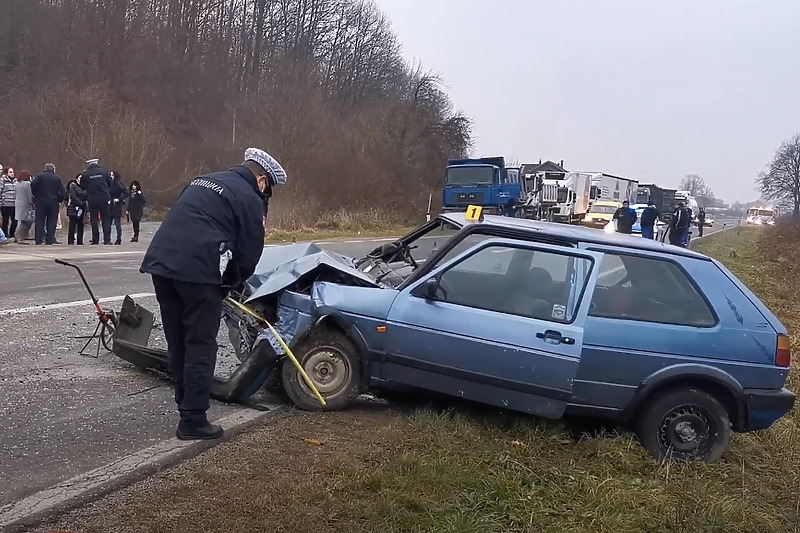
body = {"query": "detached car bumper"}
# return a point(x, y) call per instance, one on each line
point(765, 407)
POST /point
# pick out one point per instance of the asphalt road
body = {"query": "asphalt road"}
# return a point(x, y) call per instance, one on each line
point(62, 414)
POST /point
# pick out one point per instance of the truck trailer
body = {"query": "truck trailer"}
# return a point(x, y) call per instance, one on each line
point(662, 198)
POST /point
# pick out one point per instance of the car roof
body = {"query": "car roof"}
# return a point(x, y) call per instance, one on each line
point(575, 234)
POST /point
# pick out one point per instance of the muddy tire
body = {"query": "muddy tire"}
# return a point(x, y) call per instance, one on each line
point(332, 362)
point(684, 424)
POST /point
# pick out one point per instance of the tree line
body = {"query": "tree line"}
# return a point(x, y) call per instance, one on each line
point(781, 181)
point(162, 90)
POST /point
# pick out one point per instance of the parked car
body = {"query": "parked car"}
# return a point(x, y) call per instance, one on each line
point(540, 318)
point(601, 213)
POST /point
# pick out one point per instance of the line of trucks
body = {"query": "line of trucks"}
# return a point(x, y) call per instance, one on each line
point(547, 191)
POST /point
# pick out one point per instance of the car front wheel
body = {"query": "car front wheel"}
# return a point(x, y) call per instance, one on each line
point(685, 424)
point(332, 363)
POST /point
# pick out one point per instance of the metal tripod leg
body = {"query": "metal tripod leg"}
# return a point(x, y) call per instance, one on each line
point(97, 353)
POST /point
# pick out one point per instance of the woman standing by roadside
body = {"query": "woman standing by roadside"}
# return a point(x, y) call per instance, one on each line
point(76, 210)
point(8, 195)
point(136, 208)
point(118, 193)
point(23, 207)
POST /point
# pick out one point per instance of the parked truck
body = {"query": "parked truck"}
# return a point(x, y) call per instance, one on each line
point(613, 188)
point(573, 203)
point(482, 181)
point(662, 198)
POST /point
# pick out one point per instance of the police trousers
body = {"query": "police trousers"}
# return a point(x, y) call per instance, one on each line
point(190, 314)
point(98, 214)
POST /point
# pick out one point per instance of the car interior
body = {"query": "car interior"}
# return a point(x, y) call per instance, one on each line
point(650, 290)
point(510, 282)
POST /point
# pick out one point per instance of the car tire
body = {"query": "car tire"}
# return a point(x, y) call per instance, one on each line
point(332, 362)
point(686, 423)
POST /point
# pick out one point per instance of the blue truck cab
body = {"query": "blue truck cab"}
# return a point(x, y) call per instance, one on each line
point(481, 181)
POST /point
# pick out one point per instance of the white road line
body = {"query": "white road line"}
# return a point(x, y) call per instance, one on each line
point(106, 477)
point(66, 305)
point(17, 255)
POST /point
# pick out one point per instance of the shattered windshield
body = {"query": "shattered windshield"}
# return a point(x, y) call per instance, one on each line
point(433, 239)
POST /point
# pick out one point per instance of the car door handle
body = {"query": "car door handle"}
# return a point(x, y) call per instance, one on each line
point(555, 337)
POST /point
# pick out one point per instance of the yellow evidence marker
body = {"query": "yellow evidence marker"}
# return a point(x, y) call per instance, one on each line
point(474, 213)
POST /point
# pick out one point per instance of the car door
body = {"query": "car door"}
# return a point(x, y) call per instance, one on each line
point(501, 323)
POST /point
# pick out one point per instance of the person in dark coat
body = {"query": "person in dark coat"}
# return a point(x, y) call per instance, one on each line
point(647, 220)
point(625, 217)
point(678, 224)
point(136, 204)
point(97, 183)
point(701, 221)
point(210, 241)
point(76, 210)
point(48, 193)
point(118, 193)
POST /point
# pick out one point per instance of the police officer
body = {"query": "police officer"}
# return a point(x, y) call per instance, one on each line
point(209, 242)
point(97, 183)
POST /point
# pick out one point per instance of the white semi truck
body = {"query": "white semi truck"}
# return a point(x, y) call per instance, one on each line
point(613, 188)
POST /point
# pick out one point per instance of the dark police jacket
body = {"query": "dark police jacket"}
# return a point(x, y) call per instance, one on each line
point(97, 183)
point(48, 186)
point(215, 212)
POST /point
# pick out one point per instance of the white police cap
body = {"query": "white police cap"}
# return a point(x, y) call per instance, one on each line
point(269, 164)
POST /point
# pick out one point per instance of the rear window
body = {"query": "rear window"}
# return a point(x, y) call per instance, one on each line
point(633, 287)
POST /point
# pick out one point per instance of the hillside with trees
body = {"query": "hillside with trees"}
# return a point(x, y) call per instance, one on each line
point(162, 90)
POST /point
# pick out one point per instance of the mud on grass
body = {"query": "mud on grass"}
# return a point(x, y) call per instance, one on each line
point(414, 467)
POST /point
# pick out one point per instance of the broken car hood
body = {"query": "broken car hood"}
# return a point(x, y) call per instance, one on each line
point(281, 266)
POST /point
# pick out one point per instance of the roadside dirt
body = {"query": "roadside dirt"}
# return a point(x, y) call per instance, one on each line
point(275, 477)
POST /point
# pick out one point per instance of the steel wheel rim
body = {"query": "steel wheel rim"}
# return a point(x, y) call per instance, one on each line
point(687, 432)
point(329, 371)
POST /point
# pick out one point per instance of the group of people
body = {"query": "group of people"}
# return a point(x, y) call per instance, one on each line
point(680, 222)
point(35, 201)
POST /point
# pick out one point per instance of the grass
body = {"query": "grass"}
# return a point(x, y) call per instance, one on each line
point(463, 468)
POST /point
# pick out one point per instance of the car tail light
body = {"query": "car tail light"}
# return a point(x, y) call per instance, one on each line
point(784, 356)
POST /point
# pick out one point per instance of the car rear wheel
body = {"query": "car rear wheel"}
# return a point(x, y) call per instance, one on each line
point(332, 363)
point(685, 424)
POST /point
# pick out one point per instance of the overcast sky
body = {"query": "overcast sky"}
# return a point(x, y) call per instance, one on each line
point(648, 90)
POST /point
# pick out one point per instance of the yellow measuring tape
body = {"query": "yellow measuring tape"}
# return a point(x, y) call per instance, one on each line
point(285, 347)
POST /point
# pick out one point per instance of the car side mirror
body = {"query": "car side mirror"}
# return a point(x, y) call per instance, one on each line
point(431, 288)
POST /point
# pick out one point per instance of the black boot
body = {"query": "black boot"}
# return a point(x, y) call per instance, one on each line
point(199, 432)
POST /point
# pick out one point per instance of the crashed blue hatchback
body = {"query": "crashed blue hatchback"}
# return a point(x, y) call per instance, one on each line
point(540, 318)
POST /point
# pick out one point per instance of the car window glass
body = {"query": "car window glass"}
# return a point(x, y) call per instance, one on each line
point(519, 281)
point(465, 244)
point(648, 289)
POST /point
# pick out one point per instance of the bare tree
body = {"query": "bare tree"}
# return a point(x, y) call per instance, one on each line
point(157, 89)
point(694, 184)
point(782, 181)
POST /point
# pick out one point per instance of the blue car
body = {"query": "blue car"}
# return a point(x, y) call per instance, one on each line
point(534, 317)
